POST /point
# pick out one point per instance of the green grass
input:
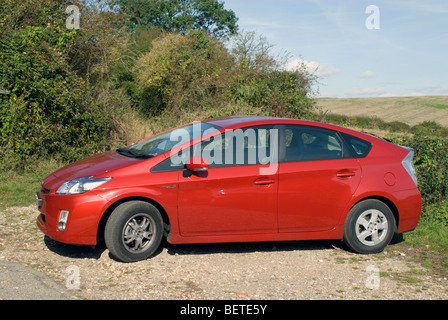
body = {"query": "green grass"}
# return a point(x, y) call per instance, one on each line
point(19, 188)
point(433, 236)
point(431, 241)
point(437, 105)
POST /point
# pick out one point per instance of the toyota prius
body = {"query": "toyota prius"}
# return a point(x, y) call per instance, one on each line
point(235, 179)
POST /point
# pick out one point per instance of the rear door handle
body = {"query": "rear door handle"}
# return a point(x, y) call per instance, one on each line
point(345, 174)
point(264, 181)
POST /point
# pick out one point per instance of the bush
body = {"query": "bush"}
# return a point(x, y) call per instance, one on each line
point(50, 110)
point(430, 128)
point(436, 213)
point(398, 126)
point(183, 73)
point(261, 80)
point(276, 93)
point(196, 72)
point(431, 164)
point(66, 86)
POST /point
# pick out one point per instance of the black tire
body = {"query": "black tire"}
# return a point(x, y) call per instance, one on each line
point(133, 231)
point(369, 227)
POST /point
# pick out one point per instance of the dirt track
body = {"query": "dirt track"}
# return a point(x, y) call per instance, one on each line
point(274, 270)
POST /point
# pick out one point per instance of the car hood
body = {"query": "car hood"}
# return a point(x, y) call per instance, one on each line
point(100, 165)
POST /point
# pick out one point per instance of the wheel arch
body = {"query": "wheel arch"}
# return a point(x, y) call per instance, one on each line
point(387, 202)
point(111, 208)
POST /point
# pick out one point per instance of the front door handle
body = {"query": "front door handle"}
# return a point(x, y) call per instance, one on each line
point(264, 181)
point(345, 174)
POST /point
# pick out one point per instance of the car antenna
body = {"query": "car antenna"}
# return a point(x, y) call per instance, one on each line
point(323, 116)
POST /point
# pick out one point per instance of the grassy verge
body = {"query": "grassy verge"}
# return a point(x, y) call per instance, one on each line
point(431, 241)
point(19, 188)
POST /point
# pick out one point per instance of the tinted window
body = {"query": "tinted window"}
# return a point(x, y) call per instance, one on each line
point(306, 143)
point(168, 165)
point(359, 148)
point(252, 145)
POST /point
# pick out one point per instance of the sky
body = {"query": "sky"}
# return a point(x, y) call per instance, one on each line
point(395, 48)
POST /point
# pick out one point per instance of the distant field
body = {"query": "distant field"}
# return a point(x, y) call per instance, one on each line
point(410, 110)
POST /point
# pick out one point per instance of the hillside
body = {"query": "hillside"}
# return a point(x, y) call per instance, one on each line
point(410, 110)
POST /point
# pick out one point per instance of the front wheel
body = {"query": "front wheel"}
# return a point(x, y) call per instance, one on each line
point(133, 231)
point(369, 227)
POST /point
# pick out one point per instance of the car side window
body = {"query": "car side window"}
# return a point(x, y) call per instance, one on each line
point(307, 143)
point(170, 165)
point(247, 146)
point(359, 147)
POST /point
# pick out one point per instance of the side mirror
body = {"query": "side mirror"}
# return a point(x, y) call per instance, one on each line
point(197, 164)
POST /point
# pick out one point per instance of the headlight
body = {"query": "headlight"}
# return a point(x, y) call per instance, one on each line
point(81, 185)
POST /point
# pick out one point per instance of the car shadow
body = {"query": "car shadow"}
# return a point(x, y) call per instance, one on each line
point(250, 247)
point(95, 252)
point(75, 251)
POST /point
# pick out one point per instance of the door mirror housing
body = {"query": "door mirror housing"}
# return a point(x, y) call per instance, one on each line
point(197, 164)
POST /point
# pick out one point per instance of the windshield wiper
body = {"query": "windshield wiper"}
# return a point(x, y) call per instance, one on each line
point(143, 156)
point(126, 152)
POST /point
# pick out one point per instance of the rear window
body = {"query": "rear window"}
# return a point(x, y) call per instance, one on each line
point(359, 147)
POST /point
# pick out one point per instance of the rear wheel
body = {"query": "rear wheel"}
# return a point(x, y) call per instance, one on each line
point(369, 227)
point(133, 231)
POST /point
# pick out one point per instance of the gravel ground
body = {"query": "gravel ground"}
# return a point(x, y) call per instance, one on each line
point(306, 270)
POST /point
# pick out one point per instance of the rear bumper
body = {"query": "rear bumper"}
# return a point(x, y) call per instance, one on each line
point(409, 205)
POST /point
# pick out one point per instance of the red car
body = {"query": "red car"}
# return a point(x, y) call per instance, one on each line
point(235, 179)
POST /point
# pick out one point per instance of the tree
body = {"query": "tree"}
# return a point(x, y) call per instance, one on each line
point(253, 51)
point(50, 108)
point(263, 83)
point(183, 73)
point(182, 15)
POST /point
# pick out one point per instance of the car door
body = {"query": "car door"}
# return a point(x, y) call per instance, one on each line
point(317, 178)
point(236, 195)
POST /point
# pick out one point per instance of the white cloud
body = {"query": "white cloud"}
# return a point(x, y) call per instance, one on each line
point(314, 67)
point(367, 74)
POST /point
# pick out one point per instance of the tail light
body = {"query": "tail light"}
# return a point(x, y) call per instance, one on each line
point(408, 164)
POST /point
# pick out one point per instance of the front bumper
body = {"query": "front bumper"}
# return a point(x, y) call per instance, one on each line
point(84, 214)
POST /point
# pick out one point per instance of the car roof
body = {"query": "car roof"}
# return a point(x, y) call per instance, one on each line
point(236, 121)
point(229, 121)
point(241, 121)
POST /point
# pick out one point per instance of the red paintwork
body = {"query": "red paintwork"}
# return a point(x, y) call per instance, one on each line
point(300, 201)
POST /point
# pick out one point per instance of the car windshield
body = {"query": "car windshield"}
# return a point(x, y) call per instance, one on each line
point(166, 141)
